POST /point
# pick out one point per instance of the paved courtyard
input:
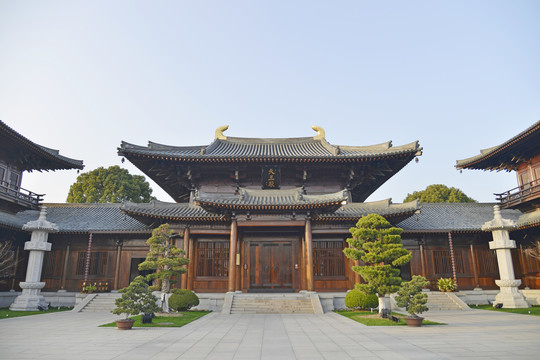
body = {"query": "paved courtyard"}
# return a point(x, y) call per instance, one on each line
point(474, 334)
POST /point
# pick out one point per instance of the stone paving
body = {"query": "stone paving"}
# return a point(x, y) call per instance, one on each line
point(469, 335)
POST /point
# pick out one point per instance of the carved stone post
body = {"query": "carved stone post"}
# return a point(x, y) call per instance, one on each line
point(31, 297)
point(509, 296)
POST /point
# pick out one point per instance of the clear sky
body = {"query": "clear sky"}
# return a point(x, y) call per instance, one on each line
point(459, 76)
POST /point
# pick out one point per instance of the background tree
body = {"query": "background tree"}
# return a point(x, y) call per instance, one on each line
point(111, 185)
point(7, 260)
point(375, 242)
point(533, 250)
point(165, 259)
point(438, 193)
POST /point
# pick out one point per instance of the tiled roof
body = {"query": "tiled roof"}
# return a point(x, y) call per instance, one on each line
point(353, 211)
point(508, 155)
point(289, 199)
point(169, 211)
point(75, 218)
point(458, 217)
point(283, 149)
point(530, 219)
point(34, 156)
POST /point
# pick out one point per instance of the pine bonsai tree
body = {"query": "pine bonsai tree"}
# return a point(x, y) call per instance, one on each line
point(410, 295)
point(375, 242)
point(135, 299)
point(165, 258)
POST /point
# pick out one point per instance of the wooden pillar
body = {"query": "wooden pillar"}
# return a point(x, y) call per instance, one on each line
point(185, 247)
point(238, 266)
point(474, 266)
point(117, 267)
point(309, 256)
point(15, 267)
point(303, 264)
point(524, 267)
point(422, 258)
point(232, 255)
point(191, 265)
point(65, 267)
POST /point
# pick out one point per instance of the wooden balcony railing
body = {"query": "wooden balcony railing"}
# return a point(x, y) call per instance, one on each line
point(19, 195)
point(519, 194)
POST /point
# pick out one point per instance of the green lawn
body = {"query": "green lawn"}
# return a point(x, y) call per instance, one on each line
point(5, 313)
point(166, 321)
point(534, 310)
point(372, 319)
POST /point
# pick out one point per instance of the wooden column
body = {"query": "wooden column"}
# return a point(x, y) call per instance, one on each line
point(309, 256)
point(15, 267)
point(232, 255)
point(65, 267)
point(117, 267)
point(191, 265)
point(238, 266)
point(422, 258)
point(185, 247)
point(303, 264)
point(524, 267)
point(474, 266)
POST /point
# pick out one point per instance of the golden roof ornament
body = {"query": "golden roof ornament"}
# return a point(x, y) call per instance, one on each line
point(219, 132)
point(321, 135)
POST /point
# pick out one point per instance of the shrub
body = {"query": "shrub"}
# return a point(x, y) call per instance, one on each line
point(446, 284)
point(410, 295)
point(135, 299)
point(183, 300)
point(357, 299)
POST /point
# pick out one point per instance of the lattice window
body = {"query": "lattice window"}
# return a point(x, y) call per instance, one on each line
point(328, 258)
point(532, 264)
point(213, 258)
point(487, 261)
point(443, 262)
point(51, 265)
point(98, 263)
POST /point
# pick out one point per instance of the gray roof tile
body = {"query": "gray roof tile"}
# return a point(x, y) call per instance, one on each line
point(444, 217)
point(272, 197)
point(78, 218)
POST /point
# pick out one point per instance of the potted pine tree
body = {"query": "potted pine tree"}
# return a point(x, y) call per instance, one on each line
point(410, 297)
point(135, 299)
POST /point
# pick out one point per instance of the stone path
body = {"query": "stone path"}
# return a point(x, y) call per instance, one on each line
point(470, 335)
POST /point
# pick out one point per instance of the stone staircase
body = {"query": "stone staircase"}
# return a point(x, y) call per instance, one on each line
point(444, 301)
point(102, 302)
point(272, 304)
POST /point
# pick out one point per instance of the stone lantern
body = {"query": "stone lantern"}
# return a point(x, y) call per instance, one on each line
point(509, 296)
point(31, 298)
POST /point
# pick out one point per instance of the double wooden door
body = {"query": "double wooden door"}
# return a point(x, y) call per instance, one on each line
point(271, 266)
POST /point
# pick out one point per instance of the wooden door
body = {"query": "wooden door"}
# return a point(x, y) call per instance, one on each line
point(271, 266)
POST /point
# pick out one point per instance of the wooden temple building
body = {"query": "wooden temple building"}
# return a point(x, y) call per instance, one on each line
point(521, 154)
point(258, 215)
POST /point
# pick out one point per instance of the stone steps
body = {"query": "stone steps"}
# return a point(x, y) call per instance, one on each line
point(271, 304)
point(102, 302)
point(439, 301)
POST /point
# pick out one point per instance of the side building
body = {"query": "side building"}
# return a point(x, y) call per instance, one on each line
point(521, 154)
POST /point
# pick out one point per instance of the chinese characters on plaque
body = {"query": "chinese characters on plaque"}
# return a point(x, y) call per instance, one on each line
point(271, 177)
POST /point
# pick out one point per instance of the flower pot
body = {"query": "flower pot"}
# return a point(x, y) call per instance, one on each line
point(126, 324)
point(415, 321)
